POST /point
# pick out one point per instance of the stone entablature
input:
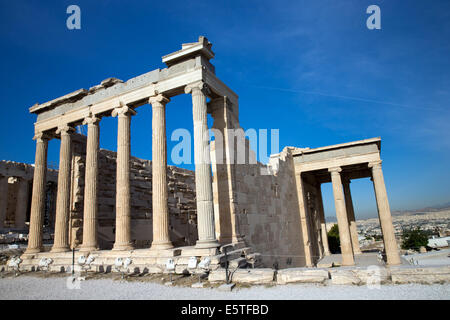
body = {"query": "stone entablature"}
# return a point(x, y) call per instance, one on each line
point(345, 154)
point(189, 67)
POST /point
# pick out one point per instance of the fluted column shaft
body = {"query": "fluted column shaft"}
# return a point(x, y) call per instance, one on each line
point(61, 242)
point(203, 183)
point(38, 195)
point(123, 206)
point(384, 213)
point(341, 214)
point(351, 217)
point(323, 223)
point(3, 200)
point(161, 237)
point(21, 204)
point(304, 221)
point(90, 210)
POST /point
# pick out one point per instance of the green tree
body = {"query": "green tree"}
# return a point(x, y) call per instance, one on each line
point(414, 238)
point(333, 239)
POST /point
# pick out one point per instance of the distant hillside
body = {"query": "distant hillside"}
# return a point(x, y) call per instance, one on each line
point(444, 206)
point(436, 208)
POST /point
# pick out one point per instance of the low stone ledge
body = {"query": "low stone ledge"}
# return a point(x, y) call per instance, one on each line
point(358, 276)
point(423, 275)
point(372, 274)
point(248, 276)
point(302, 275)
point(217, 275)
point(344, 277)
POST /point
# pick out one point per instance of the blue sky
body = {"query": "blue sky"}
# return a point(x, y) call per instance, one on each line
point(309, 68)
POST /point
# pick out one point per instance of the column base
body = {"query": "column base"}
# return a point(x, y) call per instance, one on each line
point(327, 253)
point(122, 247)
point(60, 249)
point(33, 250)
point(204, 244)
point(393, 261)
point(348, 262)
point(89, 248)
point(161, 245)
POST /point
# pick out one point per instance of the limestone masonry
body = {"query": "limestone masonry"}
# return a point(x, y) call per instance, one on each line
point(135, 214)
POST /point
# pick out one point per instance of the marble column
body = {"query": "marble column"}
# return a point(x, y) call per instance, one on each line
point(123, 207)
point(323, 223)
point(90, 210)
point(351, 216)
point(4, 186)
point(341, 214)
point(161, 237)
point(38, 195)
point(61, 242)
point(203, 183)
point(304, 221)
point(21, 204)
point(384, 213)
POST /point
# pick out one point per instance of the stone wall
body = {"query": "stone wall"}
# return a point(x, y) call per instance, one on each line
point(258, 202)
point(268, 210)
point(15, 173)
point(181, 201)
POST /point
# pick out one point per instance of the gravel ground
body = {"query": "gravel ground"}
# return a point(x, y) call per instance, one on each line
point(33, 287)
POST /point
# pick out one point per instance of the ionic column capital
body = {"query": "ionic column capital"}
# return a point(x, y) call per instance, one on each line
point(158, 100)
point(92, 120)
point(197, 88)
point(375, 164)
point(123, 111)
point(41, 137)
point(335, 170)
point(65, 129)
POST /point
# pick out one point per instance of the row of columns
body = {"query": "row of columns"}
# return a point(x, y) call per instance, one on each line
point(346, 217)
point(21, 201)
point(161, 238)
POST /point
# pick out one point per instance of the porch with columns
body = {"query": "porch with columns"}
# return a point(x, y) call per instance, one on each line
point(339, 164)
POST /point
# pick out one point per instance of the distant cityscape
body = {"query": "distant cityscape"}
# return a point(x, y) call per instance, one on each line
point(435, 221)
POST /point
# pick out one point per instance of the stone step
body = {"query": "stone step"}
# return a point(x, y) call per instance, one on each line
point(235, 254)
point(302, 275)
point(254, 256)
point(238, 263)
point(233, 246)
point(249, 276)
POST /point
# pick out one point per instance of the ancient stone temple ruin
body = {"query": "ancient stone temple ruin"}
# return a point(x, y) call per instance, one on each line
point(111, 205)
